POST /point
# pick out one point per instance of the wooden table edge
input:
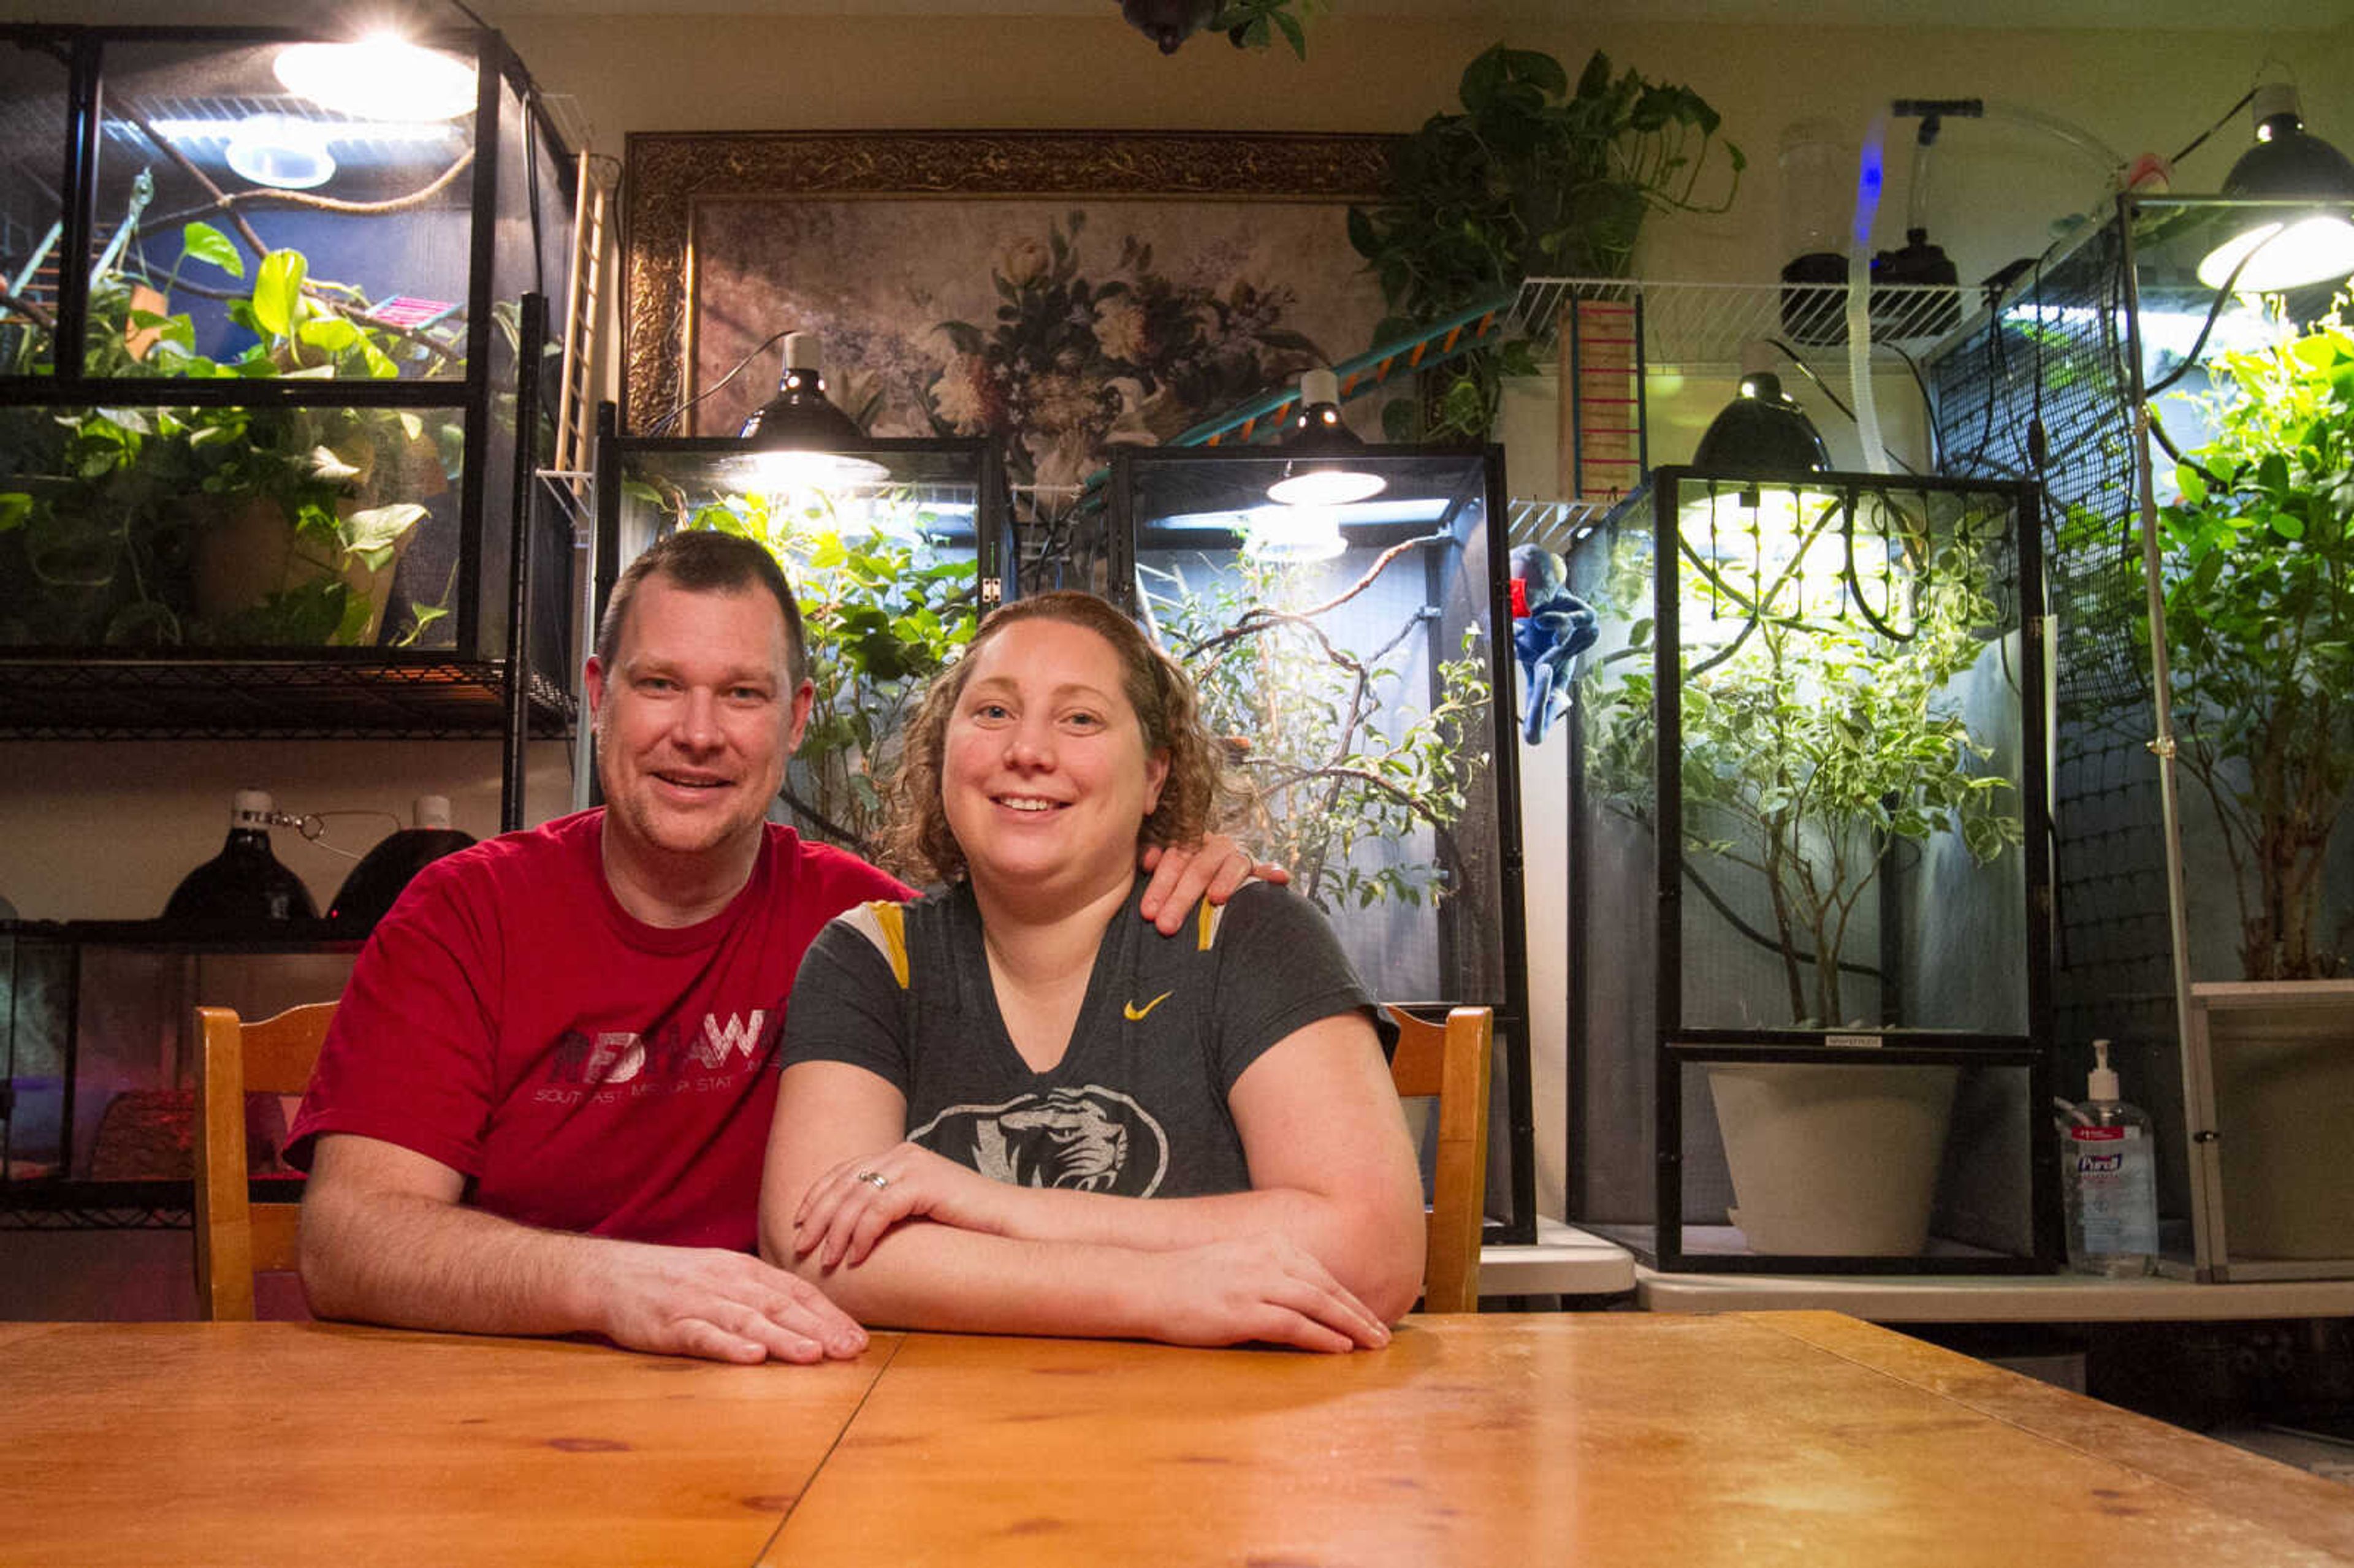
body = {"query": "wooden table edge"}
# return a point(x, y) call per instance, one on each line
point(2307, 1507)
point(17, 1334)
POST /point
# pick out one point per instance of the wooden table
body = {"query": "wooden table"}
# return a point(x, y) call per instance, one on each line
point(1787, 1438)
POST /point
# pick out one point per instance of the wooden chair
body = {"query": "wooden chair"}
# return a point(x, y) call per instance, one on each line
point(1450, 1062)
point(236, 1237)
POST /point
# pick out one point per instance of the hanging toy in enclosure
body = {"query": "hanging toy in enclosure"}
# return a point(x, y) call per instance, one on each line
point(1551, 627)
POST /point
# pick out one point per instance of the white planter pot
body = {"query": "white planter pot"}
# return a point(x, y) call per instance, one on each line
point(1836, 1158)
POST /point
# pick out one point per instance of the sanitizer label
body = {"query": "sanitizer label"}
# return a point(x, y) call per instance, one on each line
point(2117, 1188)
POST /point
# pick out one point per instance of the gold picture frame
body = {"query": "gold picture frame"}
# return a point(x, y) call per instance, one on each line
point(956, 276)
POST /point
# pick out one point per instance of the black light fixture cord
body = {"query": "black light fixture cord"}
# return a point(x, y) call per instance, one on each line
point(1824, 387)
point(2197, 141)
point(664, 423)
point(2205, 327)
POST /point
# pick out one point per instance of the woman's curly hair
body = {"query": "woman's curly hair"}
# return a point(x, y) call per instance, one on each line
point(1193, 799)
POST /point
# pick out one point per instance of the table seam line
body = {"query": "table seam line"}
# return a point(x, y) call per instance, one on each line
point(827, 1457)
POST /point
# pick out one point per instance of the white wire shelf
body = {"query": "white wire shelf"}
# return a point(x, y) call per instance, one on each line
point(1555, 525)
point(1688, 324)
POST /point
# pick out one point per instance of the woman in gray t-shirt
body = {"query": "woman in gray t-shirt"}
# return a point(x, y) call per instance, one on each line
point(1006, 1109)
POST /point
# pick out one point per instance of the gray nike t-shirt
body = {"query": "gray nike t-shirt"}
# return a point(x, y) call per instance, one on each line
point(1136, 1106)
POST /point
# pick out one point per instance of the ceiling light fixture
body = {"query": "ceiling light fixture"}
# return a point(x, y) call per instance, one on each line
point(2274, 251)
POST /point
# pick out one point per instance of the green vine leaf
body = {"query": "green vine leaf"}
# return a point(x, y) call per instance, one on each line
point(203, 242)
point(278, 292)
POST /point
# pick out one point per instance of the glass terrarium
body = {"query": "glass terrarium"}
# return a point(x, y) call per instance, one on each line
point(895, 549)
point(280, 408)
point(1347, 650)
point(1810, 738)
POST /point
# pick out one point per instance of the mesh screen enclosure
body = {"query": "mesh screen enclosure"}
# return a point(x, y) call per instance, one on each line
point(2039, 387)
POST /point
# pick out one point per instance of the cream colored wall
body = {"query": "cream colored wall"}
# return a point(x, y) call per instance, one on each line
point(93, 830)
point(1999, 185)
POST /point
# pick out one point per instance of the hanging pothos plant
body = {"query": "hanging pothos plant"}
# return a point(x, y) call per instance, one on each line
point(1534, 178)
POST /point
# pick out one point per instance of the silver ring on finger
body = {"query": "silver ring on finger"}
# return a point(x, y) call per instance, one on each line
point(873, 1179)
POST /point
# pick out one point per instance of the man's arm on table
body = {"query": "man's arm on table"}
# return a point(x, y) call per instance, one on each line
point(1206, 1271)
point(385, 1239)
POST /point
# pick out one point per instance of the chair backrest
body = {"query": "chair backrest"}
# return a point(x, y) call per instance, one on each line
point(234, 1236)
point(1450, 1062)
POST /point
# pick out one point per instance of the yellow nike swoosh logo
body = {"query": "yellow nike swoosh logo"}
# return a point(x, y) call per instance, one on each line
point(1135, 1012)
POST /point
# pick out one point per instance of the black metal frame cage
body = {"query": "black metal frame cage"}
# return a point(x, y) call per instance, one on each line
point(1473, 948)
point(503, 623)
point(1629, 1050)
point(2048, 384)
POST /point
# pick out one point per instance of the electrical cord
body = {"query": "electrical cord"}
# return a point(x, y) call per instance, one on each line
point(664, 423)
point(1928, 406)
point(2229, 115)
point(1824, 387)
point(2214, 313)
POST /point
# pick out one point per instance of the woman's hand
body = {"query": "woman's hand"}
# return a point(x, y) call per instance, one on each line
point(1264, 1287)
point(846, 1211)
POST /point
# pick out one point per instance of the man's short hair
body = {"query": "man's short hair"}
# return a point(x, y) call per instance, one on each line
point(703, 561)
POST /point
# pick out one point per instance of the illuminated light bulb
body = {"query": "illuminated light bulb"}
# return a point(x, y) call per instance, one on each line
point(379, 77)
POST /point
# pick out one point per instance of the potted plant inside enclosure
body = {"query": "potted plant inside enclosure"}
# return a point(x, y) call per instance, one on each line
point(1842, 685)
point(2257, 563)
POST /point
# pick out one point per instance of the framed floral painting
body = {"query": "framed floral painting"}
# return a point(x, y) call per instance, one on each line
point(1064, 291)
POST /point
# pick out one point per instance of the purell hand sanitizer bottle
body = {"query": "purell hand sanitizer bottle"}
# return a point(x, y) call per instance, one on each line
point(2108, 1168)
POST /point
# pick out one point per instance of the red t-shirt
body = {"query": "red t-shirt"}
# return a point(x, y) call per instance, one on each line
point(583, 1070)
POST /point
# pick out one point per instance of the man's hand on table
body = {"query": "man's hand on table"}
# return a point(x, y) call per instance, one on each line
point(719, 1305)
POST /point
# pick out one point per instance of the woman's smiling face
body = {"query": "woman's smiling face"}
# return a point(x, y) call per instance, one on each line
point(1044, 776)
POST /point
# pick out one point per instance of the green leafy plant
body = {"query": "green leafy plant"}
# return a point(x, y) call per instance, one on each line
point(1535, 177)
point(882, 612)
point(104, 504)
point(2258, 559)
point(1813, 738)
point(1334, 761)
point(1256, 24)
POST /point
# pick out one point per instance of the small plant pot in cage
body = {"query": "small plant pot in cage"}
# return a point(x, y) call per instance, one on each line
point(1831, 1159)
point(258, 571)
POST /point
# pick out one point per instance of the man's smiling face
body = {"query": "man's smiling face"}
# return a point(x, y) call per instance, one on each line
point(696, 717)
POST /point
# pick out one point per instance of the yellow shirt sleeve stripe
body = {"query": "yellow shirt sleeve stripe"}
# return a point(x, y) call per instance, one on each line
point(1208, 914)
point(885, 924)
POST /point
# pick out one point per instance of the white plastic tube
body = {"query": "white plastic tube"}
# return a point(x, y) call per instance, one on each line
point(1870, 167)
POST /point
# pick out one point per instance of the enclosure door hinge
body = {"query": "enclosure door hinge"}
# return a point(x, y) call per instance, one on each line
point(992, 589)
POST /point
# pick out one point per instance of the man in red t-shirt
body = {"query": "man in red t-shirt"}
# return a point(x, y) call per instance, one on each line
point(544, 1104)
